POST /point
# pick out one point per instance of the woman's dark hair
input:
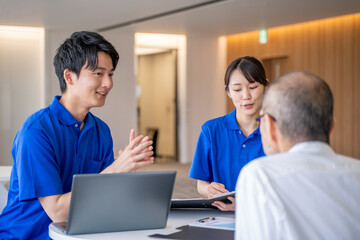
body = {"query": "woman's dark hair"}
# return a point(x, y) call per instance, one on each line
point(80, 49)
point(250, 67)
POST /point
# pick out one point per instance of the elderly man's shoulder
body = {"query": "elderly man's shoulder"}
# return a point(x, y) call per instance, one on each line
point(269, 161)
point(267, 167)
point(286, 164)
point(346, 163)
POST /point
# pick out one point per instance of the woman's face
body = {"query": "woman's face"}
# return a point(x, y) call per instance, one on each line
point(245, 96)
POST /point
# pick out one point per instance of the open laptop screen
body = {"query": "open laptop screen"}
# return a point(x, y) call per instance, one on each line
point(119, 202)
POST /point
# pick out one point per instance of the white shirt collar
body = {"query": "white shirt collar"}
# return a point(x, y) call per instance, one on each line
point(312, 146)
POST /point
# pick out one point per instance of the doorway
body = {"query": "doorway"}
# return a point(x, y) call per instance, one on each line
point(275, 67)
point(157, 102)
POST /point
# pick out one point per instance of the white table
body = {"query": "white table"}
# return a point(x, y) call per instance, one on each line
point(5, 172)
point(176, 219)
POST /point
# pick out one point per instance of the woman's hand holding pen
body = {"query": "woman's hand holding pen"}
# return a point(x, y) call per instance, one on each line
point(216, 188)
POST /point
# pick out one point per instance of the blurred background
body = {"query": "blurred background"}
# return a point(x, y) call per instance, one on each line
point(173, 56)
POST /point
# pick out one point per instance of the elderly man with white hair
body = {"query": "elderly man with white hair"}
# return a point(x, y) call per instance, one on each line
point(302, 189)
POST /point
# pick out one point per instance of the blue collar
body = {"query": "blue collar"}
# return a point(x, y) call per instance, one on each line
point(231, 123)
point(65, 117)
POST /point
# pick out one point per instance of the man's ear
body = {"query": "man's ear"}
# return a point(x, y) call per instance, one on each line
point(332, 127)
point(68, 76)
point(272, 132)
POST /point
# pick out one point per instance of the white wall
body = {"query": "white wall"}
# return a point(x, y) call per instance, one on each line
point(52, 42)
point(21, 80)
point(206, 65)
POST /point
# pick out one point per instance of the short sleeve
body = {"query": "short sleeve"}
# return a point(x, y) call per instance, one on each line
point(201, 168)
point(37, 169)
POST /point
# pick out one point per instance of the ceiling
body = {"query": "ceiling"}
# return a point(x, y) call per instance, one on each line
point(206, 17)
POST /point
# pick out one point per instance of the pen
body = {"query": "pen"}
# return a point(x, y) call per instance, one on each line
point(204, 219)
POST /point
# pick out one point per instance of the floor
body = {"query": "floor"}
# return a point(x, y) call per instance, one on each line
point(185, 187)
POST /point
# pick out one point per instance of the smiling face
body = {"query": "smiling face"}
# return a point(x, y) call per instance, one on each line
point(91, 87)
point(245, 96)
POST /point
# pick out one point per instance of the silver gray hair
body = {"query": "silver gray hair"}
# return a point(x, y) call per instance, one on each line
point(302, 104)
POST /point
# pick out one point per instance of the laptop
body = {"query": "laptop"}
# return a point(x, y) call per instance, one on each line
point(119, 202)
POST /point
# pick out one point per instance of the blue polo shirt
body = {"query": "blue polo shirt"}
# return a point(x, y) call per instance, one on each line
point(47, 151)
point(222, 151)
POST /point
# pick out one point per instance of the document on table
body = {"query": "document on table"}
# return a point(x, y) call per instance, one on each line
point(224, 223)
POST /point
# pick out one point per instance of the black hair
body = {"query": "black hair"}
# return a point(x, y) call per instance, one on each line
point(80, 49)
point(250, 67)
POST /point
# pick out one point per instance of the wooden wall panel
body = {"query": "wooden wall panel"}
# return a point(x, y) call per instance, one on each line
point(329, 48)
point(356, 90)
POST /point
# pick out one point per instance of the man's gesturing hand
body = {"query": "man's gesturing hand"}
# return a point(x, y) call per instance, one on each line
point(135, 155)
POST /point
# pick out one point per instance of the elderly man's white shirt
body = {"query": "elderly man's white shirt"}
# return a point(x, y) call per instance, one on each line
point(309, 192)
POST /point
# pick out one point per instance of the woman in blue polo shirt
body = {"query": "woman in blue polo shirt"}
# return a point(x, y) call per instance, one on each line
point(229, 142)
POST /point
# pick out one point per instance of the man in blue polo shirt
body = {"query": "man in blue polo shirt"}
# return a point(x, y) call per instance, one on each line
point(66, 139)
